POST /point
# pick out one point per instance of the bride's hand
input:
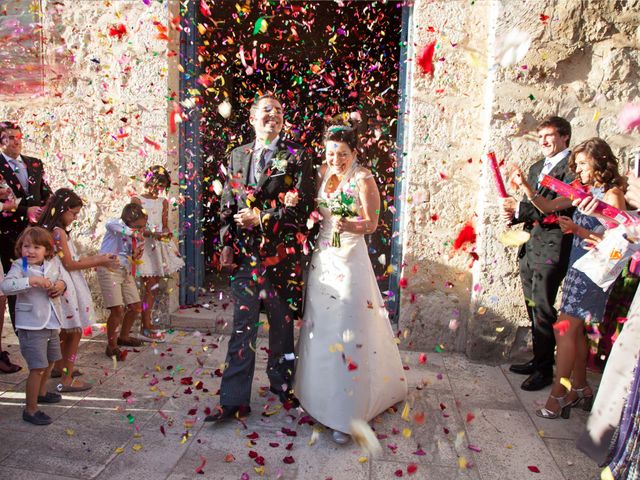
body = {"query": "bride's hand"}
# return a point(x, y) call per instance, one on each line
point(291, 198)
point(343, 225)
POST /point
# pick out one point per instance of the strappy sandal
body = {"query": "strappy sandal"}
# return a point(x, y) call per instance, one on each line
point(565, 408)
point(55, 373)
point(152, 336)
point(585, 400)
point(75, 386)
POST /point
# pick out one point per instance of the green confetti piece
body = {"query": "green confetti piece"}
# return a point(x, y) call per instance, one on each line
point(131, 418)
point(261, 24)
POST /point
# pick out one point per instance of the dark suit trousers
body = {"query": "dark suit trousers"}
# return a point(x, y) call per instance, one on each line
point(6, 256)
point(540, 284)
point(235, 388)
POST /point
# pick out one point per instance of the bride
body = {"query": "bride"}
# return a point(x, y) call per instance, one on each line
point(349, 366)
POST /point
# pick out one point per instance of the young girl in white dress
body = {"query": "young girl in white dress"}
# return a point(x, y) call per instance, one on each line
point(349, 367)
point(59, 213)
point(160, 257)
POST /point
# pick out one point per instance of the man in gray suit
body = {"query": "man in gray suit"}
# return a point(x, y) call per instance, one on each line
point(544, 259)
point(261, 242)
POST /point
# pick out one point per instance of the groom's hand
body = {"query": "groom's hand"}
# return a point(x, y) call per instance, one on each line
point(247, 218)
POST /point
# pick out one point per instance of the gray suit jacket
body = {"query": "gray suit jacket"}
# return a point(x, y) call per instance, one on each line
point(33, 304)
point(547, 245)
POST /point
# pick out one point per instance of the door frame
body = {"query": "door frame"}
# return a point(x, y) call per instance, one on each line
point(190, 211)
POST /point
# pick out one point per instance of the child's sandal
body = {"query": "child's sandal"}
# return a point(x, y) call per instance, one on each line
point(152, 336)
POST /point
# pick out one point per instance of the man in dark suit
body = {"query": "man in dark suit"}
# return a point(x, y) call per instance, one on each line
point(263, 242)
point(544, 258)
point(24, 176)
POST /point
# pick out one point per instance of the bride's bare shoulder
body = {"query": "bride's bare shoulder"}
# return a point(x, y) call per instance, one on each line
point(362, 173)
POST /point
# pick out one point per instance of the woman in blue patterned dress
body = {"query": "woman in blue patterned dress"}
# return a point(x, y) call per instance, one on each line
point(596, 168)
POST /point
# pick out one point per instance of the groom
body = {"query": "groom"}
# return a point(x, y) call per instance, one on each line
point(262, 240)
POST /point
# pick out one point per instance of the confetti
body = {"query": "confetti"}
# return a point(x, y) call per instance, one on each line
point(566, 383)
point(513, 47)
point(629, 117)
point(425, 60)
point(365, 438)
point(514, 238)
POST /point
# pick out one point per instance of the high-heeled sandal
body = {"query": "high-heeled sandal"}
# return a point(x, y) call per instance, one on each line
point(565, 408)
point(585, 400)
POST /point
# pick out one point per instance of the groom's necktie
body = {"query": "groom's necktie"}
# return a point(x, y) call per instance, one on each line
point(261, 163)
point(547, 167)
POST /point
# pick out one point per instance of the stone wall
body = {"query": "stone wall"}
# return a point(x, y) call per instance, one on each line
point(582, 64)
point(90, 127)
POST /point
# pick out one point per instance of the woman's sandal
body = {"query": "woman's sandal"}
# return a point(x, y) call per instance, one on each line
point(585, 400)
point(565, 408)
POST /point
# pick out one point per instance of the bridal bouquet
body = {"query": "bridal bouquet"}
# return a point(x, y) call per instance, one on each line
point(342, 205)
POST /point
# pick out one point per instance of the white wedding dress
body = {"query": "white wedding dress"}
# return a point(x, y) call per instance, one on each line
point(349, 366)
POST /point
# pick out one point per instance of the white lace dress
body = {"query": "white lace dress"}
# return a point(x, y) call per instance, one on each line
point(160, 257)
point(77, 304)
point(349, 366)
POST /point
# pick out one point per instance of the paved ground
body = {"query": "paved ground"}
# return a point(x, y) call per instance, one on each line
point(143, 419)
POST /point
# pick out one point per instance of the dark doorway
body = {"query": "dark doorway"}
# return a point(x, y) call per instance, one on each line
point(321, 59)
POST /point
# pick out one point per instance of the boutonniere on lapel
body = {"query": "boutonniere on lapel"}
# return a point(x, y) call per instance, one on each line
point(279, 163)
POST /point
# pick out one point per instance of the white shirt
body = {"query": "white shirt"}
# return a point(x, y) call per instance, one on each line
point(550, 163)
point(54, 322)
point(257, 152)
point(20, 169)
point(117, 240)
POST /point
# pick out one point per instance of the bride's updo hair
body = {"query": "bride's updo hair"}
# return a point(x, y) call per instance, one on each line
point(343, 134)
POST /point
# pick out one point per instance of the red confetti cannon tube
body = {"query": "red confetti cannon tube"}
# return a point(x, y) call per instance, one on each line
point(572, 193)
point(497, 178)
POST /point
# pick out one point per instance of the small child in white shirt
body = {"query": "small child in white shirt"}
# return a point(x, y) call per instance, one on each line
point(119, 290)
point(35, 279)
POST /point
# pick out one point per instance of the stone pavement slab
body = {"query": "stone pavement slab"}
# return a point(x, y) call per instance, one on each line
point(144, 419)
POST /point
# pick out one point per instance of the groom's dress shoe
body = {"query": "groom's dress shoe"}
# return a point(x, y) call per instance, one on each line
point(523, 368)
point(536, 381)
point(226, 412)
point(288, 399)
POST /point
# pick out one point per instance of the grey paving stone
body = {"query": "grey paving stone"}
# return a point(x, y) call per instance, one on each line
point(475, 384)
point(382, 470)
point(573, 463)
point(532, 401)
point(21, 474)
point(509, 446)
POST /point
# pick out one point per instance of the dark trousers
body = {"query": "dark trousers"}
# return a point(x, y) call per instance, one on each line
point(6, 256)
point(540, 284)
point(250, 287)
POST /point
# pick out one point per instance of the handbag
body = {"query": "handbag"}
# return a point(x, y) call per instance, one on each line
point(605, 261)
